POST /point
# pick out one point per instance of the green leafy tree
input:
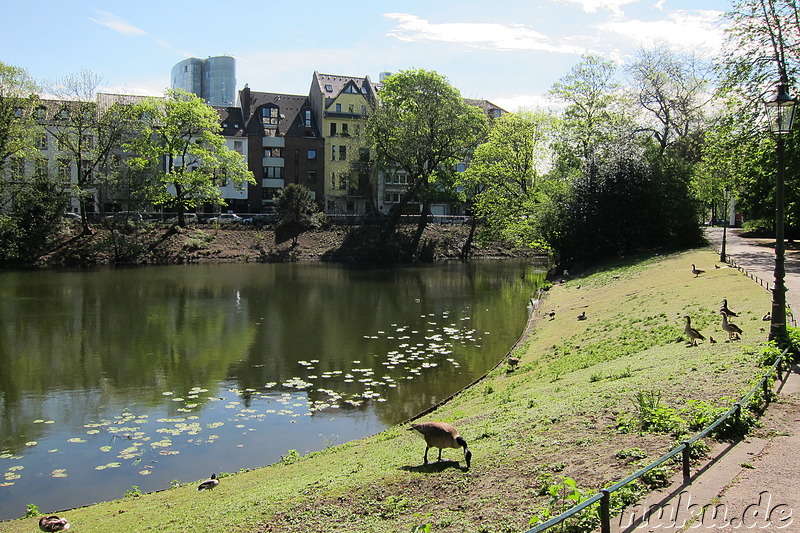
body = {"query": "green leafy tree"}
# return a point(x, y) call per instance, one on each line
point(594, 121)
point(296, 210)
point(17, 124)
point(424, 127)
point(506, 173)
point(182, 130)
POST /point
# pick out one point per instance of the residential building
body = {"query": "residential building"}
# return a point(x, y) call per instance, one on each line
point(342, 105)
point(285, 145)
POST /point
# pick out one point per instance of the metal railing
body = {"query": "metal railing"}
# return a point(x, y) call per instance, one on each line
point(604, 496)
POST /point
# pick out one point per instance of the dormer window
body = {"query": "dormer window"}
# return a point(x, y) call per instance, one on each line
point(329, 88)
point(351, 89)
point(307, 118)
point(269, 116)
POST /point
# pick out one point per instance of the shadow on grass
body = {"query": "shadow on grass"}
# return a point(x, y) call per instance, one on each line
point(438, 466)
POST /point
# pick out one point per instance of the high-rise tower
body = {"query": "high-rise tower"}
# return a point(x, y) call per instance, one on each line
point(213, 78)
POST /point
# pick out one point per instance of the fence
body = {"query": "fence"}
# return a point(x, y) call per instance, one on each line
point(604, 496)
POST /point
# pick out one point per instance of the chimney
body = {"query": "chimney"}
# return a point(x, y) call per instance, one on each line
point(246, 101)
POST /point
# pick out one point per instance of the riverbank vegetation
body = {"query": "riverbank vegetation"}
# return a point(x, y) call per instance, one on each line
point(588, 402)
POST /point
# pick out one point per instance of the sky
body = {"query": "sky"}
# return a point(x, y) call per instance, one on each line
point(507, 51)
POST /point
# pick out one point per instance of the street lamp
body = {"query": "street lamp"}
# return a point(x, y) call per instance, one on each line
point(726, 214)
point(780, 109)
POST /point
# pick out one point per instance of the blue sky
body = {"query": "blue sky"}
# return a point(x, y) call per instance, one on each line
point(509, 52)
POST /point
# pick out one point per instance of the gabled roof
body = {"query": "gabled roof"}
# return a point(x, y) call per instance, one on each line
point(289, 106)
point(230, 118)
point(490, 109)
point(331, 85)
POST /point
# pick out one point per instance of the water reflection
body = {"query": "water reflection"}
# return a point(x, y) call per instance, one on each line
point(116, 378)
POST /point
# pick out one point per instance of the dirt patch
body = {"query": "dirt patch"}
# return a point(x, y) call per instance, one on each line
point(147, 244)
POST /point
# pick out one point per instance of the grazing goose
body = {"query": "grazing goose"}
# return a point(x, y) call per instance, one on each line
point(696, 271)
point(513, 362)
point(733, 330)
point(441, 435)
point(767, 317)
point(552, 314)
point(53, 523)
point(582, 316)
point(692, 333)
point(209, 483)
point(724, 309)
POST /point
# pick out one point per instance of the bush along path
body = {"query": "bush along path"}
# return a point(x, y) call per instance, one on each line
point(587, 403)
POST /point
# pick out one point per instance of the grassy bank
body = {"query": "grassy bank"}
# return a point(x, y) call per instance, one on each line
point(569, 409)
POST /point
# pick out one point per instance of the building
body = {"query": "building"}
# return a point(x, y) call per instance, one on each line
point(285, 145)
point(213, 79)
point(342, 105)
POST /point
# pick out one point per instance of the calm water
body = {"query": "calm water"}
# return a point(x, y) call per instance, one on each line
point(115, 378)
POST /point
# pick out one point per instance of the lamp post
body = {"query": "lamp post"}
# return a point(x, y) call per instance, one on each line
point(725, 221)
point(781, 109)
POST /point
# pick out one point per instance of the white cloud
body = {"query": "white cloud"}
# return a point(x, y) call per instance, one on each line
point(699, 31)
point(592, 6)
point(411, 28)
point(527, 101)
point(116, 24)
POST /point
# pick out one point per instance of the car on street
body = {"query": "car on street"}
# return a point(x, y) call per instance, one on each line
point(226, 218)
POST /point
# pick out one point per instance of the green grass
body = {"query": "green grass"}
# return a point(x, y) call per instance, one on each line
point(555, 416)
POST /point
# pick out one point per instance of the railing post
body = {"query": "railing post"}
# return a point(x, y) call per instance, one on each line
point(605, 511)
point(737, 414)
point(687, 472)
point(766, 390)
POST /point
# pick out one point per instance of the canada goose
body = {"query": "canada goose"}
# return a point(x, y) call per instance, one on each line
point(209, 483)
point(582, 316)
point(696, 271)
point(724, 309)
point(767, 317)
point(513, 362)
point(53, 523)
point(692, 333)
point(441, 435)
point(552, 314)
point(733, 330)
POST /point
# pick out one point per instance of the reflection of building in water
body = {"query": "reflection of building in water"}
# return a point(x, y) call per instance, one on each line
point(213, 78)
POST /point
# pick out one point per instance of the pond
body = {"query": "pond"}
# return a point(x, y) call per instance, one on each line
point(116, 378)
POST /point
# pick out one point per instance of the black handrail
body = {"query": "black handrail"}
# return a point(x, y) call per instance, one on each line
point(604, 496)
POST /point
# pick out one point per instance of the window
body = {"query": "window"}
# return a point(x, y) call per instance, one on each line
point(88, 141)
point(238, 147)
point(338, 108)
point(40, 167)
point(342, 153)
point(333, 129)
point(312, 155)
point(312, 175)
point(86, 167)
point(64, 169)
point(307, 119)
point(333, 153)
point(269, 116)
point(351, 108)
point(329, 88)
point(351, 89)
point(41, 142)
point(344, 130)
point(273, 172)
point(343, 181)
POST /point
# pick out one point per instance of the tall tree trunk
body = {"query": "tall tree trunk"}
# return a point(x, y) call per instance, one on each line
point(467, 248)
point(413, 248)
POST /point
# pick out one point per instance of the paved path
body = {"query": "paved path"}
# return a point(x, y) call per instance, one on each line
point(751, 485)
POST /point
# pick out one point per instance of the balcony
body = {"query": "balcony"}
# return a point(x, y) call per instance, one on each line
point(272, 183)
point(273, 142)
point(272, 162)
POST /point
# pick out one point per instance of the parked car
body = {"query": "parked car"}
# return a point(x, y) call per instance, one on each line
point(73, 218)
point(188, 218)
point(124, 216)
point(226, 218)
point(261, 219)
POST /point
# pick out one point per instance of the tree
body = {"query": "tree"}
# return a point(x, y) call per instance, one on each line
point(90, 133)
point(296, 210)
point(183, 130)
point(594, 119)
point(17, 124)
point(506, 173)
point(424, 127)
point(672, 90)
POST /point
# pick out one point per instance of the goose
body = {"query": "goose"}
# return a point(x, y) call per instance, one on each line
point(209, 483)
point(582, 316)
point(552, 314)
point(712, 340)
point(767, 317)
point(692, 333)
point(696, 271)
point(733, 330)
point(724, 308)
point(53, 523)
point(513, 362)
point(441, 435)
